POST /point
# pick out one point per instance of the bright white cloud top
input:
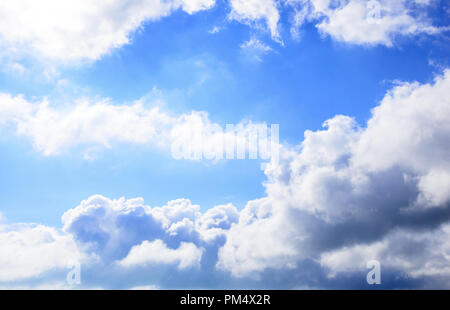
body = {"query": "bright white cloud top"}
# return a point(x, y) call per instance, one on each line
point(349, 185)
point(78, 30)
point(90, 126)
point(365, 22)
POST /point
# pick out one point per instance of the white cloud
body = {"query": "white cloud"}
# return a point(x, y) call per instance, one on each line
point(145, 287)
point(346, 195)
point(217, 221)
point(256, 44)
point(364, 22)
point(70, 31)
point(256, 49)
point(49, 286)
point(348, 185)
point(215, 30)
point(187, 255)
point(193, 6)
point(107, 234)
point(28, 251)
point(101, 232)
point(77, 30)
point(410, 129)
point(14, 68)
point(100, 124)
point(251, 11)
point(416, 254)
point(110, 228)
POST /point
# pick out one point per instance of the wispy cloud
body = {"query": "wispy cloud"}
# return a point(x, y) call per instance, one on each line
point(256, 49)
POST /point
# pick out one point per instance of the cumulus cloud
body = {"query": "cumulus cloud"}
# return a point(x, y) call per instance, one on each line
point(115, 234)
point(416, 254)
point(346, 195)
point(128, 237)
point(185, 256)
point(77, 30)
point(365, 22)
point(253, 11)
point(110, 228)
point(30, 250)
point(193, 6)
point(81, 123)
point(93, 124)
point(347, 186)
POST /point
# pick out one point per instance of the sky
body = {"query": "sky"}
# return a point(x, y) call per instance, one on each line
point(93, 97)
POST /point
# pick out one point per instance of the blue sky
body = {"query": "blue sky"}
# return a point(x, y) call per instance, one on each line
point(297, 76)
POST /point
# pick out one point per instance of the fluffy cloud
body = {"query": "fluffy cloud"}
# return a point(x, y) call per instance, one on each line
point(352, 21)
point(83, 123)
point(193, 6)
point(72, 31)
point(111, 228)
point(30, 250)
point(416, 254)
point(92, 125)
point(365, 22)
point(252, 11)
point(351, 187)
point(187, 255)
point(129, 237)
point(107, 235)
point(412, 119)
point(77, 30)
point(347, 195)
